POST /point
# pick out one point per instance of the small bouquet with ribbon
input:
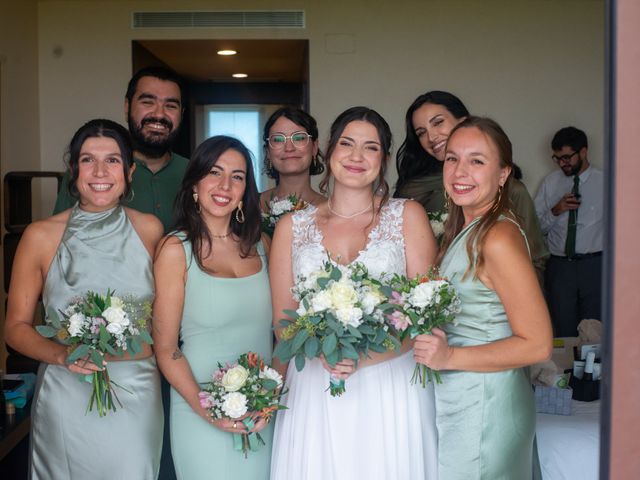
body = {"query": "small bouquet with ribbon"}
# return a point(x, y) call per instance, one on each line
point(246, 390)
point(276, 208)
point(341, 315)
point(96, 325)
point(422, 304)
point(437, 220)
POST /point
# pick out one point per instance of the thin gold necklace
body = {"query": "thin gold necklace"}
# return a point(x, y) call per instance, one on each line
point(221, 236)
point(346, 216)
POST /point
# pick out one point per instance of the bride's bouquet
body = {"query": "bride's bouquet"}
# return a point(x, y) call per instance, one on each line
point(277, 207)
point(248, 385)
point(341, 315)
point(95, 325)
point(422, 304)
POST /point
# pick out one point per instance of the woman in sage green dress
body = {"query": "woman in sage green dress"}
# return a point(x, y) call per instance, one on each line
point(429, 122)
point(213, 303)
point(94, 246)
point(485, 413)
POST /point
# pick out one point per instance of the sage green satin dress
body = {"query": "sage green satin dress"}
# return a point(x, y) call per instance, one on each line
point(485, 421)
point(98, 251)
point(222, 319)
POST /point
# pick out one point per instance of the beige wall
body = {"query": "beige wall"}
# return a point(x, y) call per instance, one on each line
point(534, 65)
point(19, 128)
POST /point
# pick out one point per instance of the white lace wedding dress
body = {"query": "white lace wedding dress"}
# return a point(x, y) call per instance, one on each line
point(382, 428)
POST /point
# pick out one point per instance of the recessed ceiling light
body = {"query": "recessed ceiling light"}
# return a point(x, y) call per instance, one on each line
point(227, 52)
point(239, 75)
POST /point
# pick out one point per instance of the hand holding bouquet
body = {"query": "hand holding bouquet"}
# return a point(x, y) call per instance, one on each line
point(340, 315)
point(277, 208)
point(422, 304)
point(245, 391)
point(93, 326)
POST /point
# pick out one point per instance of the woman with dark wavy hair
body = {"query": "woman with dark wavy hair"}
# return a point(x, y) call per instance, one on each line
point(429, 122)
point(355, 436)
point(291, 156)
point(485, 410)
point(212, 304)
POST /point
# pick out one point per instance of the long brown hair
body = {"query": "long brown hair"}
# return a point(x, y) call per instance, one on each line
point(501, 204)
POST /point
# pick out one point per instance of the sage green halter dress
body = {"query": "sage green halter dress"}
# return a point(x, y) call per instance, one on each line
point(98, 251)
point(485, 421)
point(222, 319)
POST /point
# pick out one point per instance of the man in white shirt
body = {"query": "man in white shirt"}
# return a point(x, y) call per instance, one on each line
point(569, 205)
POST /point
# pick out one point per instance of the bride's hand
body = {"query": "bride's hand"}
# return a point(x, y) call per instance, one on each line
point(432, 350)
point(342, 370)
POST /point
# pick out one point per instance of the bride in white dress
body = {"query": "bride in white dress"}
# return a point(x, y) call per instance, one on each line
point(382, 428)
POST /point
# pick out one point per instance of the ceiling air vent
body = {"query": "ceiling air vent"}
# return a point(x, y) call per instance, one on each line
point(226, 19)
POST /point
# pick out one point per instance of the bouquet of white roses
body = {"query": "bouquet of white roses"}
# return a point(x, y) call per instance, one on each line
point(249, 385)
point(277, 208)
point(422, 304)
point(341, 315)
point(437, 220)
point(93, 326)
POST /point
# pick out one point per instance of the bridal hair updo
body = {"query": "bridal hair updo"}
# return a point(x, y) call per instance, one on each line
point(96, 128)
point(189, 220)
point(501, 204)
point(365, 114)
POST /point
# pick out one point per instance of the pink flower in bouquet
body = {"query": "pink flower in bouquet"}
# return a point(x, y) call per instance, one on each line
point(399, 321)
point(206, 400)
point(396, 298)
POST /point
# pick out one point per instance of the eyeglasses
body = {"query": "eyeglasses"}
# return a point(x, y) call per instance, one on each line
point(298, 140)
point(563, 158)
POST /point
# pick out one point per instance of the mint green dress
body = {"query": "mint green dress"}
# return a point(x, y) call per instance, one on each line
point(222, 319)
point(98, 251)
point(485, 421)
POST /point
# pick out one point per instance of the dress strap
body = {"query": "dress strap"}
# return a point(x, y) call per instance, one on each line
point(515, 222)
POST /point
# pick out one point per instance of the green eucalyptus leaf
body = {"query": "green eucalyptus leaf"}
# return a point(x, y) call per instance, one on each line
point(335, 274)
point(349, 352)
point(53, 318)
point(78, 352)
point(268, 384)
point(312, 347)
point(291, 313)
point(145, 337)
point(96, 357)
point(299, 361)
point(332, 358)
point(47, 331)
point(354, 331)
point(299, 340)
point(329, 344)
point(283, 350)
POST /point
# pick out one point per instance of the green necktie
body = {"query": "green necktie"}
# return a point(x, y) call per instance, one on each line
point(570, 245)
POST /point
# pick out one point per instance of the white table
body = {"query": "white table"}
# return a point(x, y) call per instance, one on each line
point(569, 446)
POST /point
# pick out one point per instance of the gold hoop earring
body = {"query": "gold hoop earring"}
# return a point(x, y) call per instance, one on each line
point(195, 199)
point(130, 196)
point(496, 204)
point(240, 213)
point(447, 200)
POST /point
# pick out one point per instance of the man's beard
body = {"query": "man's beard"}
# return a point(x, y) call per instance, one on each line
point(150, 145)
point(574, 170)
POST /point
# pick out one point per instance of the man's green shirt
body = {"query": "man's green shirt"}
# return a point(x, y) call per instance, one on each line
point(152, 192)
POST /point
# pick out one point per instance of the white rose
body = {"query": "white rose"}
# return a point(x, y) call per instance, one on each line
point(116, 315)
point(421, 296)
point(437, 227)
point(349, 316)
point(115, 328)
point(343, 295)
point(321, 301)
point(281, 206)
point(271, 374)
point(301, 310)
point(76, 324)
point(234, 378)
point(311, 281)
point(234, 404)
point(116, 302)
point(371, 299)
